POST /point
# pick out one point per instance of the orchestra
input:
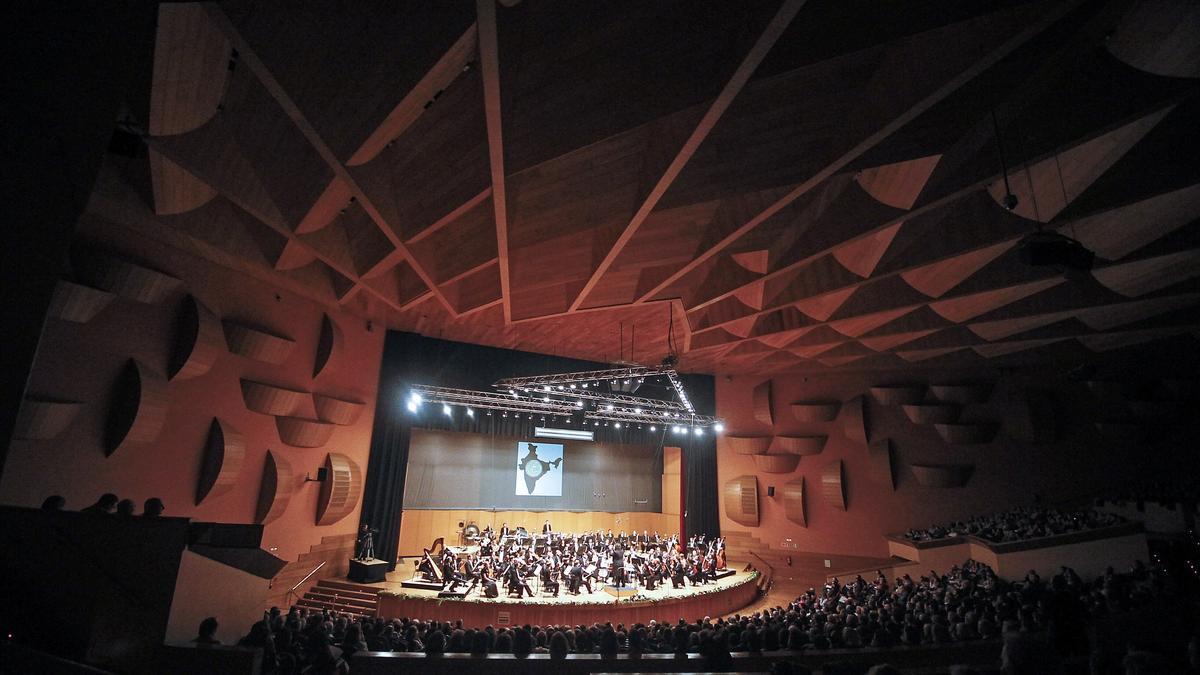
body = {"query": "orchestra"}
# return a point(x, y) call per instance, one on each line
point(513, 557)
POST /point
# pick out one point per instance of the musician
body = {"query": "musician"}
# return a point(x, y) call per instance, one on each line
point(696, 571)
point(678, 572)
point(451, 577)
point(549, 577)
point(578, 578)
point(546, 529)
point(490, 589)
point(516, 580)
point(428, 568)
point(504, 533)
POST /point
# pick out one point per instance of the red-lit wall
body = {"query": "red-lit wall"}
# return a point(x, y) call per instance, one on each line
point(82, 361)
point(1007, 472)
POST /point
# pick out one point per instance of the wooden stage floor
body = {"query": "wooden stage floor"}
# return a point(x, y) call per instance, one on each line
point(633, 606)
point(597, 596)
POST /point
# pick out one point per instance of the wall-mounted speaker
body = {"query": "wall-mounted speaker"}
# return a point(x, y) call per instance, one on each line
point(770, 490)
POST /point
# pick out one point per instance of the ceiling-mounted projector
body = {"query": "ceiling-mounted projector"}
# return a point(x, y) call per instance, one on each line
point(1051, 249)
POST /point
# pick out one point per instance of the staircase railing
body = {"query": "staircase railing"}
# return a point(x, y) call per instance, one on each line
point(292, 591)
point(768, 574)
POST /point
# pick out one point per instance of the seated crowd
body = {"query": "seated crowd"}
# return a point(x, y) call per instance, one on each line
point(1037, 620)
point(1017, 524)
point(1169, 493)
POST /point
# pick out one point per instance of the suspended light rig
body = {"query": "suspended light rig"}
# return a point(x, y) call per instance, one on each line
point(589, 396)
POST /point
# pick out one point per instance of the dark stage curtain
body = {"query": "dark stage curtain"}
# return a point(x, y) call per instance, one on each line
point(700, 464)
point(383, 493)
point(410, 359)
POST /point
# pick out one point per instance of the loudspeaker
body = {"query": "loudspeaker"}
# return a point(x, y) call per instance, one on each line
point(770, 490)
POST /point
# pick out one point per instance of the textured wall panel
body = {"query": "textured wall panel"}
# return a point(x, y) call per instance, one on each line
point(258, 344)
point(793, 501)
point(741, 500)
point(43, 419)
point(329, 344)
point(276, 489)
point(341, 490)
point(763, 404)
point(139, 407)
point(76, 302)
point(942, 475)
point(833, 485)
point(221, 464)
point(337, 410)
point(198, 340)
point(815, 411)
point(269, 399)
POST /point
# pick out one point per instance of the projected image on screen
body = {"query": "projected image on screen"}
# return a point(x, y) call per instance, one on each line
point(539, 469)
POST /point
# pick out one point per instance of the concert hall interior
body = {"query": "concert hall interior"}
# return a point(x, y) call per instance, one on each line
point(782, 336)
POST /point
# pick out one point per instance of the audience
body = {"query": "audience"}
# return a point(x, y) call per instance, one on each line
point(208, 632)
point(1017, 525)
point(1038, 622)
point(105, 505)
point(109, 504)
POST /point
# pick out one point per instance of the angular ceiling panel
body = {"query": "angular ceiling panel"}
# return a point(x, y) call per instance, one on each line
point(822, 307)
point(1045, 188)
point(1116, 233)
point(1002, 328)
point(936, 279)
point(859, 325)
point(1005, 348)
point(898, 185)
point(968, 307)
point(882, 343)
point(1139, 277)
point(862, 255)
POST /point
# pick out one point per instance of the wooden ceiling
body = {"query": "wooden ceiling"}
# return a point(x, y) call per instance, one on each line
point(793, 185)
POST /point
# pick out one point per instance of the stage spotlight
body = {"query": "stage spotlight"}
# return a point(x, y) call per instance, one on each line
point(416, 398)
point(470, 412)
point(637, 411)
point(545, 399)
point(617, 425)
point(698, 431)
point(652, 427)
point(412, 406)
point(718, 427)
point(446, 409)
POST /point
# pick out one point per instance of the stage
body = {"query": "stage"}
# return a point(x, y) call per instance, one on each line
point(628, 605)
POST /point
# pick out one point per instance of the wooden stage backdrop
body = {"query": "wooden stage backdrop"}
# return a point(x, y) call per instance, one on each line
point(418, 528)
point(482, 613)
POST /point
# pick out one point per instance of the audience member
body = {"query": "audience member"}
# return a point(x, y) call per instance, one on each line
point(153, 508)
point(208, 632)
point(105, 505)
point(125, 507)
point(54, 503)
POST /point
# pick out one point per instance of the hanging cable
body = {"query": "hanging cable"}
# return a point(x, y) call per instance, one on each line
point(1010, 200)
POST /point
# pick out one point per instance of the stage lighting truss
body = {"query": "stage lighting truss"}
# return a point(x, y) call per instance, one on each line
point(582, 393)
point(489, 400)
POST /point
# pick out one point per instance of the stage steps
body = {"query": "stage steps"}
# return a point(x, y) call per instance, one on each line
point(341, 596)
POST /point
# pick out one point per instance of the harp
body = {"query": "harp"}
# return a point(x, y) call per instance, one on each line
point(435, 550)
